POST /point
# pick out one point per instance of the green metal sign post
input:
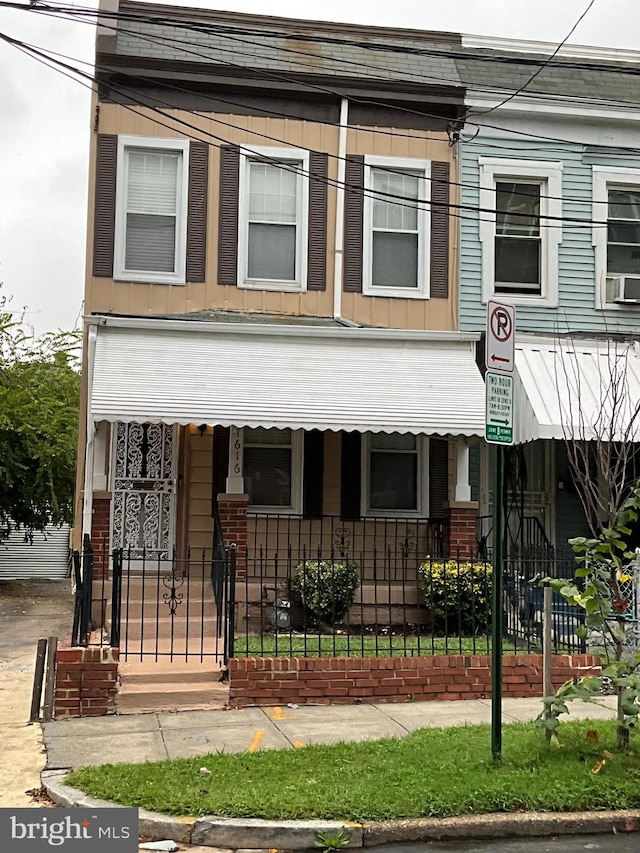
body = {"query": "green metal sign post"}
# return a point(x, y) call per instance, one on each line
point(496, 609)
point(499, 420)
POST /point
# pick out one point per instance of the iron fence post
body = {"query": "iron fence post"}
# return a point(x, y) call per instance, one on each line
point(116, 597)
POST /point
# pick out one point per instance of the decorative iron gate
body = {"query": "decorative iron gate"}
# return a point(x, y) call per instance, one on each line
point(144, 490)
point(174, 609)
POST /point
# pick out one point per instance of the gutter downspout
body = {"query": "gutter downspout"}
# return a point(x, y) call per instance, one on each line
point(339, 234)
point(87, 510)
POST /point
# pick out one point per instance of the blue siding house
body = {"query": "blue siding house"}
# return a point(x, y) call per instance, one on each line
point(550, 222)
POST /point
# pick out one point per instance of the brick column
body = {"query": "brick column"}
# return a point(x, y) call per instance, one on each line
point(462, 540)
point(86, 682)
point(100, 532)
point(233, 518)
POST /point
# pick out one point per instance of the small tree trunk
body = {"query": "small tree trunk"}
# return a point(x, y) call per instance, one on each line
point(622, 738)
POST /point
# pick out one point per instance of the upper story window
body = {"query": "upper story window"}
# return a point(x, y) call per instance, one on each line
point(518, 246)
point(394, 475)
point(272, 468)
point(396, 227)
point(520, 240)
point(616, 236)
point(151, 208)
point(623, 231)
point(272, 226)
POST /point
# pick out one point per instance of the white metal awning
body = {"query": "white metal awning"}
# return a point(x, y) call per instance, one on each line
point(579, 389)
point(298, 377)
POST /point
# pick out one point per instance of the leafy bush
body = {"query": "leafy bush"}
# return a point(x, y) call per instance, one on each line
point(458, 595)
point(325, 589)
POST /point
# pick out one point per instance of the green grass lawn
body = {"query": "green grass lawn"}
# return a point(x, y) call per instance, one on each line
point(433, 772)
point(356, 645)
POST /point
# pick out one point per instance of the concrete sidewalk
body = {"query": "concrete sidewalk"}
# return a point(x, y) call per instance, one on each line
point(72, 743)
point(29, 609)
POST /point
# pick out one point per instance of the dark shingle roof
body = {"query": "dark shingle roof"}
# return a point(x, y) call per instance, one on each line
point(579, 79)
point(286, 46)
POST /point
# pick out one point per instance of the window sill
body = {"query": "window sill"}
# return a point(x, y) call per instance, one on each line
point(274, 286)
point(148, 278)
point(620, 306)
point(520, 299)
point(393, 513)
point(273, 510)
point(395, 292)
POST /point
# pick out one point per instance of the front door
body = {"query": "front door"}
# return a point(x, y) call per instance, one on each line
point(144, 474)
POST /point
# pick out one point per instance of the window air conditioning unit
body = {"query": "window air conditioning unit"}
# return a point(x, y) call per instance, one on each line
point(626, 289)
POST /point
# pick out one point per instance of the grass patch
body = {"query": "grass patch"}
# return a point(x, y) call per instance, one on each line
point(362, 645)
point(433, 772)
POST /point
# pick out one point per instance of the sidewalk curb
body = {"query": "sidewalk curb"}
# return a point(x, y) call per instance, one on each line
point(235, 833)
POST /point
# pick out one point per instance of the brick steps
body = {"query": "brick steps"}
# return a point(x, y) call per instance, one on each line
point(150, 687)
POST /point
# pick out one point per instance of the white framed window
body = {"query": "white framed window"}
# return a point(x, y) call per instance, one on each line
point(272, 469)
point(521, 234)
point(272, 218)
point(396, 227)
point(395, 475)
point(151, 210)
point(616, 236)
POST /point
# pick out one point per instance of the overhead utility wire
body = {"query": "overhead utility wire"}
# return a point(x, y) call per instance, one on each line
point(389, 47)
point(197, 27)
point(525, 134)
point(207, 116)
point(393, 198)
point(543, 66)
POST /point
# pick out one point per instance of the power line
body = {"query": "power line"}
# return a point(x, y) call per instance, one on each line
point(71, 13)
point(525, 134)
point(280, 141)
point(544, 64)
point(370, 45)
point(548, 221)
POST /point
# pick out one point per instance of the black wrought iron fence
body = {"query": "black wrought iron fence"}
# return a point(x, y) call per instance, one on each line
point(318, 604)
point(158, 607)
point(83, 581)
point(389, 549)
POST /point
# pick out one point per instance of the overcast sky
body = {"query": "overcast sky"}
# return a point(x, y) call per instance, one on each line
point(44, 118)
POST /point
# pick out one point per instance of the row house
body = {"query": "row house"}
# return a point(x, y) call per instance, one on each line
point(272, 348)
point(554, 174)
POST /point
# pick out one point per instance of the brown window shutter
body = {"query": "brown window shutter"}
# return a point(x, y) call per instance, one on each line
point(313, 473)
point(438, 477)
point(439, 230)
point(228, 218)
point(351, 467)
point(105, 204)
point(197, 211)
point(353, 215)
point(317, 259)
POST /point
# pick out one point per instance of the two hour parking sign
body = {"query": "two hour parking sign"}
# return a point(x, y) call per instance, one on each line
point(499, 359)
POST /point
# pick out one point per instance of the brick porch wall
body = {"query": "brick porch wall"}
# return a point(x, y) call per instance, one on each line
point(332, 681)
point(462, 540)
point(100, 532)
point(86, 682)
point(233, 518)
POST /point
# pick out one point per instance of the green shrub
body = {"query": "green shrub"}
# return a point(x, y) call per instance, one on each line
point(325, 589)
point(457, 595)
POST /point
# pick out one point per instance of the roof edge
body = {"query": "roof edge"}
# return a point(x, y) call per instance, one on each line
point(346, 332)
point(297, 24)
point(546, 48)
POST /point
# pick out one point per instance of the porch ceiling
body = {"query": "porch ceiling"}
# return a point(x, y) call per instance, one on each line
point(301, 378)
point(579, 389)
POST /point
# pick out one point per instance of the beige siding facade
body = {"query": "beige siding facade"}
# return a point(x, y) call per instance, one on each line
point(104, 295)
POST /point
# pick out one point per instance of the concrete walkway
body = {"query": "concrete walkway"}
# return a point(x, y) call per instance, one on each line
point(28, 610)
point(72, 743)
